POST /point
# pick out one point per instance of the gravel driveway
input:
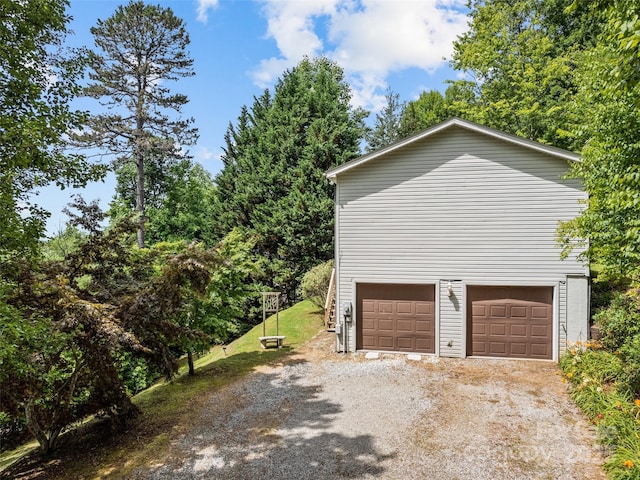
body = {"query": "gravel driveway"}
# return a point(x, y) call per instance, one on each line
point(324, 415)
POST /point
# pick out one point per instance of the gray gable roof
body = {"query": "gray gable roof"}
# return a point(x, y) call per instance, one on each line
point(455, 122)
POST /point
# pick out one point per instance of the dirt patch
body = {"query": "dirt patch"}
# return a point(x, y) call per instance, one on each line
point(328, 415)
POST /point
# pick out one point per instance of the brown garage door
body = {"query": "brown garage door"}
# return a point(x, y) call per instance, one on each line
point(398, 318)
point(510, 322)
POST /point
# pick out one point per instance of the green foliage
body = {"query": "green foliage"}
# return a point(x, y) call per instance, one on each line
point(81, 333)
point(62, 244)
point(141, 48)
point(135, 372)
point(521, 57)
point(399, 120)
point(175, 403)
point(387, 128)
point(592, 366)
point(38, 81)
point(178, 200)
point(608, 100)
point(272, 182)
point(619, 325)
point(428, 110)
point(598, 384)
point(219, 312)
point(315, 283)
point(620, 321)
point(624, 34)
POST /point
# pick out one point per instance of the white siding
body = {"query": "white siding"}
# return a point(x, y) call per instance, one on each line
point(561, 309)
point(452, 329)
point(577, 310)
point(456, 205)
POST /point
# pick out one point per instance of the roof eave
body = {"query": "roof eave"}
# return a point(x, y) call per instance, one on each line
point(507, 137)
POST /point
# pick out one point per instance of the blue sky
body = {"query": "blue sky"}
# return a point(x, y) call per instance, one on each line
point(241, 47)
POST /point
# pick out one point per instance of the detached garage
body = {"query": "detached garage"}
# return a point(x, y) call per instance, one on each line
point(446, 245)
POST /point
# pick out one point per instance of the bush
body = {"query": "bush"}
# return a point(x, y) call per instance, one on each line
point(620, 321)
point(315, 283)
point(135, 372)
point(630, 354)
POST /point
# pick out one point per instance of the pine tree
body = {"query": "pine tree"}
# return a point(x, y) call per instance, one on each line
point(141, 48)
point(272, 182)
point(386, 129)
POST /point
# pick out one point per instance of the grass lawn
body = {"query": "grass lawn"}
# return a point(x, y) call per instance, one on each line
point(168, 407)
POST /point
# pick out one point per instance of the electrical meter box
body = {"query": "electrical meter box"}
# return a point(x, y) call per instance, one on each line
point(346, 311)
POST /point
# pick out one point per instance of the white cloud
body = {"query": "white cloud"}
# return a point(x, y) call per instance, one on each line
point(203, 7)
point(369, 38)
point(203, 154)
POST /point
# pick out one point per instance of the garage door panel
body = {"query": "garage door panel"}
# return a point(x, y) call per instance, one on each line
point(518, 330)
point(368, 306)
point(479, 310)
point(498, 348)
point(386, 325)
point(368, 341)
point(405, 326)
point(541, 312)
point(385, 307)
point(396, 317)
point(424, 326)
point(424, 308)
point(510, 321)
point(424, 344)
point(480, 347)
point(498, 329)
point(405, 343)
point(518, 349)
point(540, 350)
point(405, 308)
point(541, 331)
point(368, 323)
point(479, 329)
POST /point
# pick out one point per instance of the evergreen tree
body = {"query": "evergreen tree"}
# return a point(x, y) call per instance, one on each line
point(272, 182)
point(386, 129)
point(141, 48)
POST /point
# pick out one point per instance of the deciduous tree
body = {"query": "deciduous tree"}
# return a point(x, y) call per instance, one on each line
point(66, 325)
point(521, 57)
point(38, 80)
point(609, 100)
point(179, 200)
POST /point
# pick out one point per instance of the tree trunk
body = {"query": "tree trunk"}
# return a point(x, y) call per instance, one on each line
point(47, 442)
point(192, 370)
point(140, 197)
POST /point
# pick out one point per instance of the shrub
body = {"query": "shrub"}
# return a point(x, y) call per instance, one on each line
point(315, 283)
point(135, 372)
point(620, 321)
point(630, 354)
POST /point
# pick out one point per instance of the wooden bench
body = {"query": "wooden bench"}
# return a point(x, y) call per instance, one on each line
point(276, 339)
